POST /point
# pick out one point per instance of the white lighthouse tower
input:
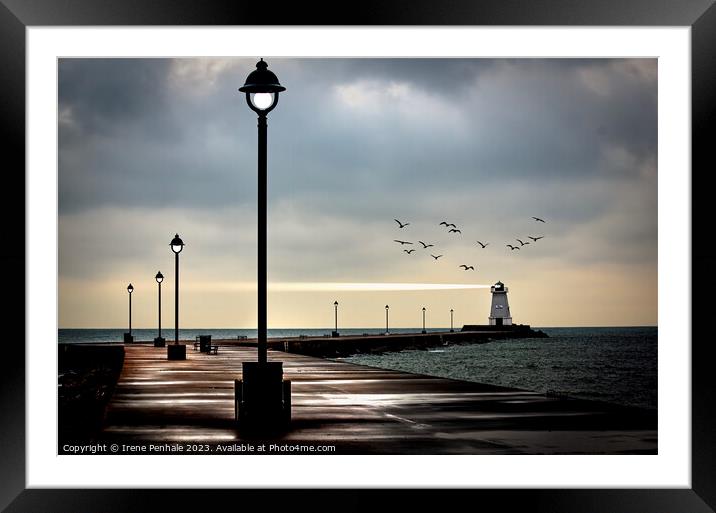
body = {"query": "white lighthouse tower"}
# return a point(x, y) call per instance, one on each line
point(500, 309)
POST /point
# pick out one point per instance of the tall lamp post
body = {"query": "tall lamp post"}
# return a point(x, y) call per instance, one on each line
point(176, 351)
point(451, 330)
point(159, 340)
point(335, 307)
point(424, 332)
point(128, 336)
point(262, 397)
point(386, 319)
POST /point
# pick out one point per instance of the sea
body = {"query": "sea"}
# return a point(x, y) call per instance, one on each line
point(616, 365)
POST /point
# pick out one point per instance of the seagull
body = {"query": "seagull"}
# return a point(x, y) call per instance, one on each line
point(511, 247)
point(483, 245)
point(521, 243)
point(447, 224)
point(538, 219)
point(402, 241)
point(408, 251)
point(536, 238)
point(435, 257)
point(402, 225)
point(466, 267)
point(426, 246)
point(454, 230)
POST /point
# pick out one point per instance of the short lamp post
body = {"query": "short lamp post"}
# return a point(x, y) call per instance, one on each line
point(128, 338)
point(159, 340)
point(386, 319)
point(176, 351)
point(262, 397)
point(424, 332)
point(335, 308)
point(451, 330)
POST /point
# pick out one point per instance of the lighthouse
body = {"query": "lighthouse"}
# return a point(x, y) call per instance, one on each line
point(500, 309)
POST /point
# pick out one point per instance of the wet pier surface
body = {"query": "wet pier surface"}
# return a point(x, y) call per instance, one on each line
point(363, 410)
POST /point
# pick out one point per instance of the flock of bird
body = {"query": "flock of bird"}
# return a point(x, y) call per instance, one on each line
point(455, 230)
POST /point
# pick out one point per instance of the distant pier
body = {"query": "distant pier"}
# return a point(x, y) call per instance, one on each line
point(333, 347)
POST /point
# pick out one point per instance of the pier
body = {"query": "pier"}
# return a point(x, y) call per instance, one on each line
point(363, 410)
point(333, 347)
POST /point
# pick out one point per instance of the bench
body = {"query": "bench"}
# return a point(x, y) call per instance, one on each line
point(213, 349)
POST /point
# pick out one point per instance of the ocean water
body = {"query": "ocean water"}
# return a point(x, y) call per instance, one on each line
point(616, 365)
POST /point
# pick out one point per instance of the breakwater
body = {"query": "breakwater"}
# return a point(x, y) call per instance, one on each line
point(341, 346)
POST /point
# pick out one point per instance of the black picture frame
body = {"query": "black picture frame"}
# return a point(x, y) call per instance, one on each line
point(17, 15)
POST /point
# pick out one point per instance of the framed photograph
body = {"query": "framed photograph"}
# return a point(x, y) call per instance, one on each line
point(479, 278)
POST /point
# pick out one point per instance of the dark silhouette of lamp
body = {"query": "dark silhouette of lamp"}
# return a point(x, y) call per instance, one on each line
point(159, 340)
point(386, 319)
point(424, 332)
point(176, 351)
point(263, 398)
point(128, 338)
point(335, 307)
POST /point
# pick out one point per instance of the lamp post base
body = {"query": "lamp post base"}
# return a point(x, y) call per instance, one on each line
point(176, 352)
point(159, 341)
point(262, 399)
point(128, 338)
point(424, 332)
point(334, 334)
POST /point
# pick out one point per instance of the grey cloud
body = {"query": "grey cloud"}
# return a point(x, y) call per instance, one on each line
point(556, 138)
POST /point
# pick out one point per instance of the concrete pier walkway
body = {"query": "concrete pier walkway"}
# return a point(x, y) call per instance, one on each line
point(363, 410)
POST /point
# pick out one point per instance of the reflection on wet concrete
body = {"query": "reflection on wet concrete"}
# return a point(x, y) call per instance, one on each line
point(370, 410)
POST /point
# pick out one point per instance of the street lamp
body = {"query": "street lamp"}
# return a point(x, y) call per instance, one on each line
point(335, 307)
point(424, 332)
point(451, 330)
point(176, 351)
point(128, 336)
point(159, 341)
point(262, 90)
point(386, 319)
point(263, 398)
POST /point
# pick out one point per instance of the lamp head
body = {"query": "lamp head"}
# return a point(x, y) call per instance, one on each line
point(262, 88)
point(335, 303)
point(386, 307)
point(130, 288)
point(159, 277)
point(177, 244)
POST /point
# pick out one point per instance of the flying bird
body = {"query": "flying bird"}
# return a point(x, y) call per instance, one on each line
point(402, 241)
point(538, 219)
point(521, 243)
point(454, 230)
point(446, 224)
point(402, 225)
point(483, 245)
point(466, 267)
point(435, 257)
point(426, 246)
point(408, 251)
point(511, 247)
point(535, 239)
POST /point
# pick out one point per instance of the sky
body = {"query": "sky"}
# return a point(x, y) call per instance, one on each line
point(153, 147)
